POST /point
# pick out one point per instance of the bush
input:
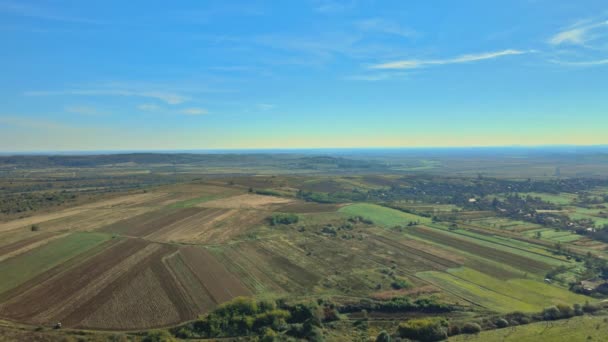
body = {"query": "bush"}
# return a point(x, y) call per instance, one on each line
point(471, 328)
point(551, 313)
point(35, 228)
point(565, 311)
point(158, 336)
point(578, 310)
point(400, 284)
point(425, 329)
point(590, 308)
point(502, 323)
point(281, 218)
point(383, 337)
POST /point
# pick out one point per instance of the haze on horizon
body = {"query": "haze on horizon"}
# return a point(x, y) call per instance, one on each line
point(139, 75)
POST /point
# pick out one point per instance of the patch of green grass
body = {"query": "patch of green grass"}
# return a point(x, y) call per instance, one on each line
point(502, 296)
point(585, 328)
point(383, 216)
point(553, 235)
point(19, 269)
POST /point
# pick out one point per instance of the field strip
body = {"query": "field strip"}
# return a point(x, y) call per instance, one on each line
point(93, 288)
point(28, 247)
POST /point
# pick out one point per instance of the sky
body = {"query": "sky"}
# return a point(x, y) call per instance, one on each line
point(156, 75)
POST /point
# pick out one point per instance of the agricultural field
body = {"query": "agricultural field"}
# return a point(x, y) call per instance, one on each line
point(161, 256)
point(574, 329)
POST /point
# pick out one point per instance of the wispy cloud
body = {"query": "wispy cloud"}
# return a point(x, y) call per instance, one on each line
point(385, 26)
point(582, 63)
point(580, 33)
point(194, 111)
point(148, 107)
point(82, 110)
point(167, 97)
point(418, 63)
point(26, 10)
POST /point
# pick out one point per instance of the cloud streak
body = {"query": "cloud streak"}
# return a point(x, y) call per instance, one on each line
point(380, 25)
point(24, 10)
point(194, 111)
point(580, 34)
point(167, 97)
point(417, 63)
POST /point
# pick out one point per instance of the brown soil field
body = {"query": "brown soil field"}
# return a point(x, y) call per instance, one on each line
point(210, 226)
point(221, 285)
point(147, 223)
point(197, 296)
point(60, 288)
point(246, 201)
point(517, 261)
point(308, 207)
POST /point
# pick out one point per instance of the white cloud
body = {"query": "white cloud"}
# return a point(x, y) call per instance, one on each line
point(582, 63)
point(415, 63)
point(580, 34)
point(168, 97)
point(82, 110)
point(148, 107)
point(385, 26)
point(194, 111)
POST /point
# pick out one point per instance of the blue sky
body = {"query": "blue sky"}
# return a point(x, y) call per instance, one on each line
point(124, 75)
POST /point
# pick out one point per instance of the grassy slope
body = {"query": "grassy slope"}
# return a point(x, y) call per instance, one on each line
point(23, 267)
point(574, 329)
point(383, 216)
point(499, 295)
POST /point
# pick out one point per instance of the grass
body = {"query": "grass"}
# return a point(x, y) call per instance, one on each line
point(19, 269)
point(553, 235)
point(585, 328)
point(383, 216)
point(502, 296)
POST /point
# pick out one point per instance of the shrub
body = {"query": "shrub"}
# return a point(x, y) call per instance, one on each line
point(551, 313)
point(282, 218)
point(425, 329)
point(565, 311)
point(157, 336)
point(578, 310)
point(383, 337)
point(502, 323)
point(590, 308)
point(471, 328)
point(35, 228)
point(399, 284)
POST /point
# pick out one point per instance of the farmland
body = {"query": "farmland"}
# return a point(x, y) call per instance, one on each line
point(159, 256)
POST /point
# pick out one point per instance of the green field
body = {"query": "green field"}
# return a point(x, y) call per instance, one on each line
point(586, 328)
point(498, 295)
point(23, 267)
point(194, 201)
point(383, 216)
point(553, 235)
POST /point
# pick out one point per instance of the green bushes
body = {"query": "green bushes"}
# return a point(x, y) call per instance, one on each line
point(425, 329)
point(470, 328)
point(281, 218)
point(268, 320)
point(383, 337)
